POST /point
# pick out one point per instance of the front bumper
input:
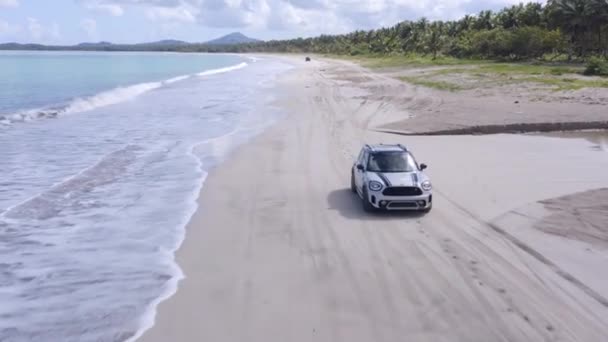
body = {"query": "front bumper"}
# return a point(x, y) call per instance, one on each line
point(420, 202)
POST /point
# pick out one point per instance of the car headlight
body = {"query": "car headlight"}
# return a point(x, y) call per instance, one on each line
point(375, 186)
point(426, 185)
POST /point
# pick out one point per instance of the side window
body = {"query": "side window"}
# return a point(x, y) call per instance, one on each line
point(364, 159)
point(360, 157)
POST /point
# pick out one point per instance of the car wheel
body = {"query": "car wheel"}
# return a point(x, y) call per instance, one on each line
point(353, 187)
point(367, 206)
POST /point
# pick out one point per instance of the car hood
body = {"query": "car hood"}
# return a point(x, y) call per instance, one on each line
point(401, 178)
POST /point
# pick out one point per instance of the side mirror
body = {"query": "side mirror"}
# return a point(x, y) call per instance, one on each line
point(423, 166)
point(360, 167)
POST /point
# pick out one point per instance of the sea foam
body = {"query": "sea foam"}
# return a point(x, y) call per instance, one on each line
point(106, 98)
point(94, 207)
point(223, 70)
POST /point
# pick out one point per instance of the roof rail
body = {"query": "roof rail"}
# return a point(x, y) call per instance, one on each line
point(402, 147)
point(369, 147)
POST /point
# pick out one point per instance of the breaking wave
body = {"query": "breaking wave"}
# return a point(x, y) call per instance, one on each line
point(103, 99)
point(223, 70)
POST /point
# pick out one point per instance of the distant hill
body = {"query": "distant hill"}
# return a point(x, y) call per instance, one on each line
point(166, 42)
point(231, 39)
point(92, 45)
point(227, 43)
point(18, 46)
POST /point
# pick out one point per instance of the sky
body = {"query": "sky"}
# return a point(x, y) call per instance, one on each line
point(134, 21)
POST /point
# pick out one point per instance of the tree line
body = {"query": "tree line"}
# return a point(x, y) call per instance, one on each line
point(576, 29)
point(572, 28)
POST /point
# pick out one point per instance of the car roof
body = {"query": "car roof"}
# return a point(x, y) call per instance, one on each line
point(386, 148)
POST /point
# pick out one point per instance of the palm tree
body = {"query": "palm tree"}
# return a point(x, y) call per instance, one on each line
point(466, 23)
point(484, 21)
point(531, 15)
point(574, 16)
point(599, 20)
point(508, 17)
point(434, 38)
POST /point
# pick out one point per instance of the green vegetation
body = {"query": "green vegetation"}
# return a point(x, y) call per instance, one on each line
point(559, 30)
point(379, 61)
point(596, 66)
point(431, 84)
point(528, 69)
point(455, 78)
point(525, 43)
point(566, 83)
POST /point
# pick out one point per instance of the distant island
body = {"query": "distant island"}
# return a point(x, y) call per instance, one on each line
point(216, 45)
point(233, 38)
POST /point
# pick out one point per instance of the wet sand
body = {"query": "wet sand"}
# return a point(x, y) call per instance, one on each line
point(280, 249)
point(599, 138)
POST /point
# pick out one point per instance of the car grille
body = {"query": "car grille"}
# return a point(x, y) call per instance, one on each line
point(395, 205)
point(402, 191)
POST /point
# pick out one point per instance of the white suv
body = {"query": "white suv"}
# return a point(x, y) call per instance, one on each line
point(388, 177)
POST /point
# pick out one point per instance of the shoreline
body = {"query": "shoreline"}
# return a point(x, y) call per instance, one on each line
point(95, 205)
point(149, 320)
point(288, 254)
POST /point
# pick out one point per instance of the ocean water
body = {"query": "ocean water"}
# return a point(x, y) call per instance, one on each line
point(47, 84)
point(102, 157)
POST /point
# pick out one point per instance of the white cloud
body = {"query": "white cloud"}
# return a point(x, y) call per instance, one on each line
point(9, 3)
point(299, 17)
point(89, 26)
point(6, 29)
point(35, 28)
point(113, 9)
point(182, 13)
point(234, 13)
point(288, 17)
point(43, 34)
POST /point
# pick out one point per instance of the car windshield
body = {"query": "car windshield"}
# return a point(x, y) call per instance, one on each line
point(391, 162)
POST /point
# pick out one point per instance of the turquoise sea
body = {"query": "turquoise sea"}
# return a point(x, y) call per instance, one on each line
point(102, 156)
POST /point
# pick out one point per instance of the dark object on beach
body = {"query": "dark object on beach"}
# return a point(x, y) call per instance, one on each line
point(308, 59)
point(516, 101)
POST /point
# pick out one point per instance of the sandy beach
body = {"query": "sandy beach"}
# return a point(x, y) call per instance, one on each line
point(280, 249)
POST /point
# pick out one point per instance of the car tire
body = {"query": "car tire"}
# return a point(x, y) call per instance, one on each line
point(367, 206)
point(353, 187)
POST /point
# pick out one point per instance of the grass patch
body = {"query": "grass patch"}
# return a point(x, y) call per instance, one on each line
point(529, 69)
point(557, 83)
point(376, 62)
point(535, 68)
point(382, 61)
point(505, 69)
point(549, 74)
point(566, 83)
point(440, 85)
point(397, 61)
point(507, 73)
